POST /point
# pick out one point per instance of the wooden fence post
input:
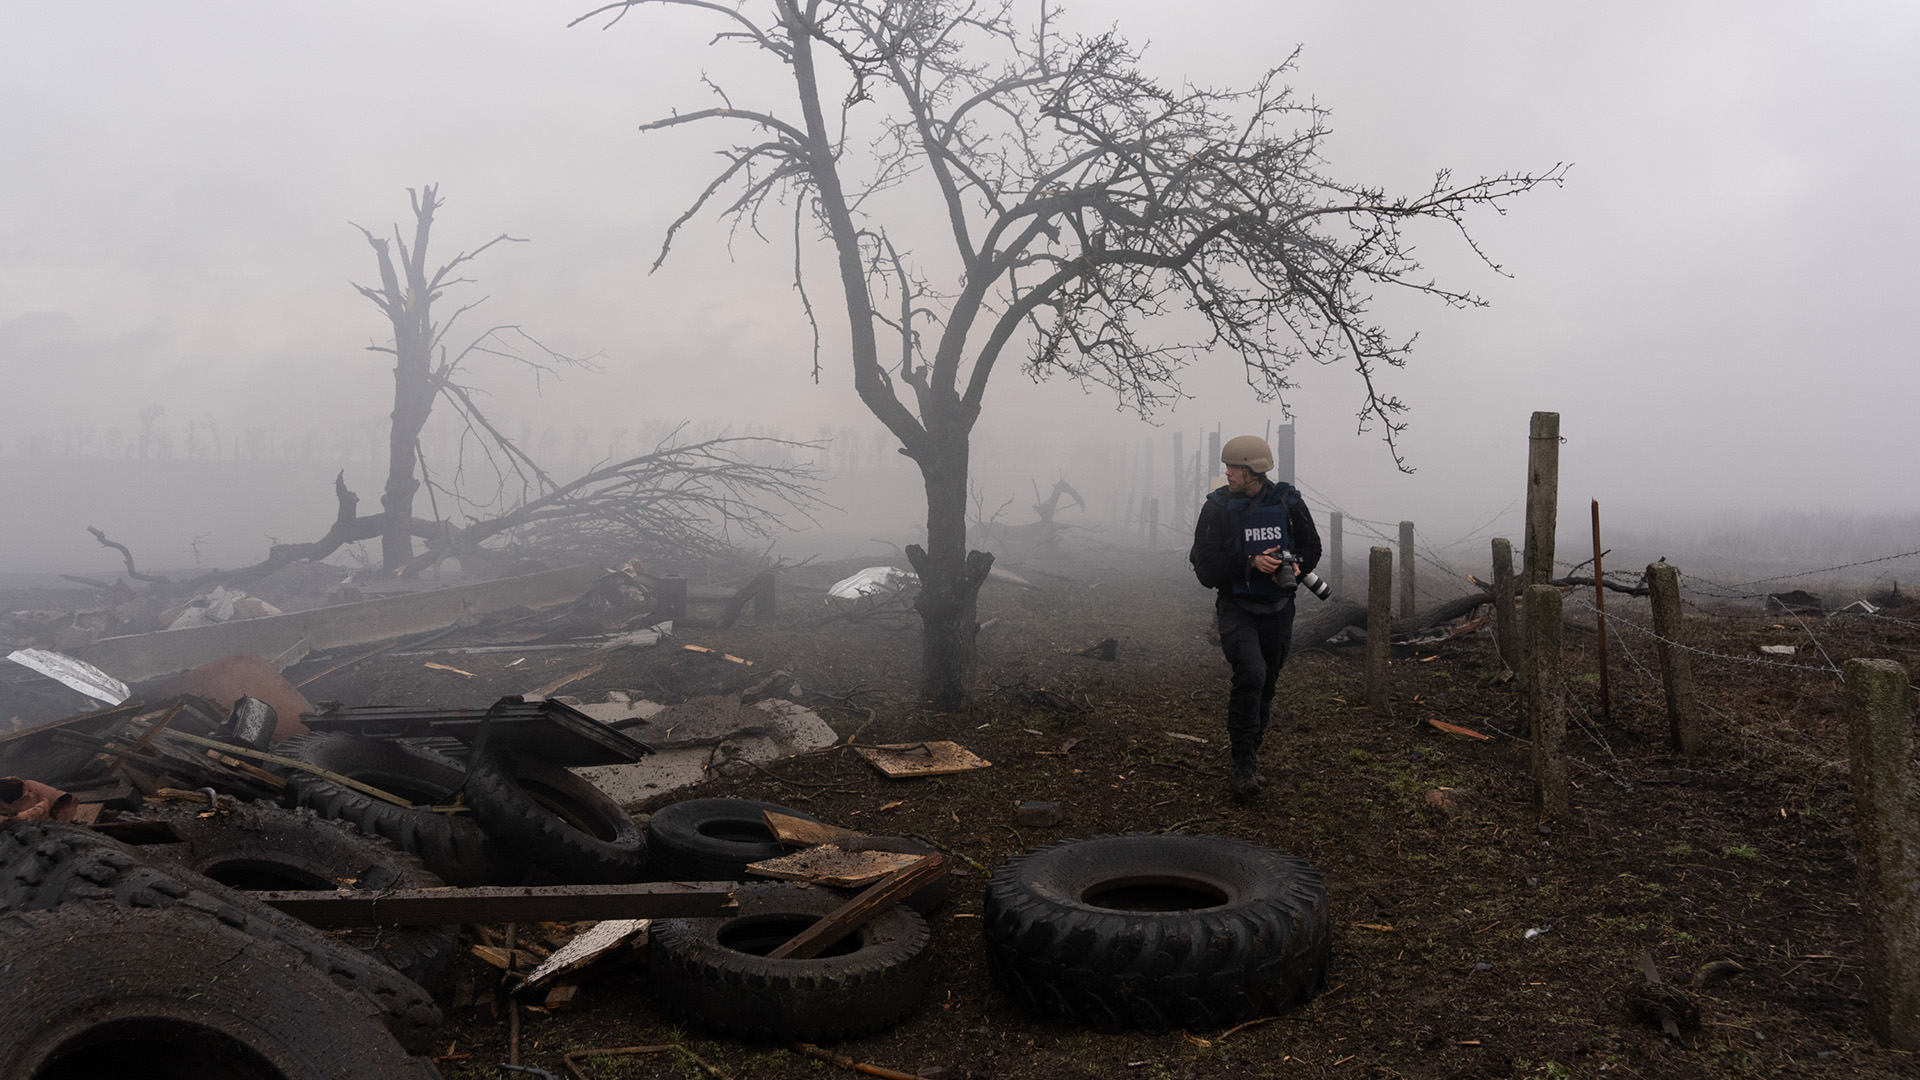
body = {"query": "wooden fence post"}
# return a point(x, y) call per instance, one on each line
point(1336, 559)
point(673, 596)
point(1886, 823)
point(1379, 627)
point(1600, 617)
point(1543, 496)
point(1406, 569)
point(1505, 635)
point(1547, 702)
point(1153, 523)
point(1676, 669)
point(1180, 512)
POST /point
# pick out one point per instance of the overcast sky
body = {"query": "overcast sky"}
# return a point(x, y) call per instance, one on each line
point(1718, 301)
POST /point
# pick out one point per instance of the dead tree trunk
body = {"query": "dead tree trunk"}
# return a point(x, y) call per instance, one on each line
point(950, 578)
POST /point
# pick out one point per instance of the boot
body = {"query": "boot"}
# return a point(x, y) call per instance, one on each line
point(1246, 778)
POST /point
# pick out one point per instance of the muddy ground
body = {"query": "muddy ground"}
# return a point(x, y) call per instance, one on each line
point(1743, 855)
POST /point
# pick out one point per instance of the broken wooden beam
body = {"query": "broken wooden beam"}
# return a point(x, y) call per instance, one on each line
point(860, 910)
point(498, 904)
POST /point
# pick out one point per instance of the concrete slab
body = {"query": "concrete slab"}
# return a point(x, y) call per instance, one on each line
point(700, 736)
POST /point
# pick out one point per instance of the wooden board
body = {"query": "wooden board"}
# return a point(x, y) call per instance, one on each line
point(860, 910)
point(901, 760)
point(828, 865)
point(799, 832)
point(494, 903)
point(597, 941)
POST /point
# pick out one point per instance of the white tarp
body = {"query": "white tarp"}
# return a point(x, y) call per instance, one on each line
point(75, 674)
point(874, 579)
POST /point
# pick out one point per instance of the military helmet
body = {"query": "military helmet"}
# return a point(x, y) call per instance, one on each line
point(1249, 451)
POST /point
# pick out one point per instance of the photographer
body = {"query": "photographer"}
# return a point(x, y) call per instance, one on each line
point(1253, 541)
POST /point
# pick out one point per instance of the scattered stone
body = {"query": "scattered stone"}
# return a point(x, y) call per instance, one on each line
point(1037, 814)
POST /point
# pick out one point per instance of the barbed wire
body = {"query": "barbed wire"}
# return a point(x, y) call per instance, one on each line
point(1613, 618)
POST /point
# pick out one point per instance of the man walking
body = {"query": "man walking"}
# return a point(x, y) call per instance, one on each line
point(1254, 538)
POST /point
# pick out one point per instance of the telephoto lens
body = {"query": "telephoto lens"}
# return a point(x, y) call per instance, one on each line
point(1316, 585)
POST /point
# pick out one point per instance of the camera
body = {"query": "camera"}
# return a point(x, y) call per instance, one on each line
point(1314, 583)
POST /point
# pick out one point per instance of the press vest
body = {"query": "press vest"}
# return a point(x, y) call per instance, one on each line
point(1252, 529)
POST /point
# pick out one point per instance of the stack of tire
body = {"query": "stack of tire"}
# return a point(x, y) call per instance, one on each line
point(716, 973)
point(530, 820)
point(122, 965)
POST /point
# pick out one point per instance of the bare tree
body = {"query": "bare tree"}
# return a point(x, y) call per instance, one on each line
point(1106, 226)
point(683, 498)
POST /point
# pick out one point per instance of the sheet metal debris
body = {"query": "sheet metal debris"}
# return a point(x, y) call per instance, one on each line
point(874, 579)
point(74, 674)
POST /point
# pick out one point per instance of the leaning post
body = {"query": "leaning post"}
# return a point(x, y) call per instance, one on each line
point(1505, 635)
point(1676, 669)
point(1379, 626)
point(1406, 569)
point(1547, 703)
point(1886, 823)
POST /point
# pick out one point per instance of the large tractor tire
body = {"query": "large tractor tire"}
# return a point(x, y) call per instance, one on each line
point(715, 972)
point(1157, 932)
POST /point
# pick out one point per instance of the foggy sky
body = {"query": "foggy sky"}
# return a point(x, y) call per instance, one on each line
point(1717, 301)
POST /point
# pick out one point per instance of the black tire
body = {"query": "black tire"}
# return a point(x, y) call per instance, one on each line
point(454, 848)
point(1157, 932)
point(66, 869)
point(713, 839)
point(714, 972)
point(262, 846)
point(559, 820)
point(172, 993)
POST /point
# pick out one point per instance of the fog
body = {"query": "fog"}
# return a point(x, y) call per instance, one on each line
point(1716, 301)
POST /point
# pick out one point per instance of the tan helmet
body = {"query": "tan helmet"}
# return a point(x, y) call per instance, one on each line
point(1249, 451)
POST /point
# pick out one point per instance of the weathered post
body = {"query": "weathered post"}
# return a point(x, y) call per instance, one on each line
point(1543, 502)
point(1406, 569)
point(1676, 670)
point(1283, 453)
point(1543, 496)
point(1213, 450)
point(1146, 468)
point(1600, 615)
point(1180, 511)
point(1547, 702)
point(1153, 523)
point(1379, 626)
point(1505, 635)
point(1129, 523)
point(764, 605)
point(1886, 824)
point(1336, 559)
point(673, 596)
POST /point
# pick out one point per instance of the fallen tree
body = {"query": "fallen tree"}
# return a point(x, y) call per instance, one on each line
point(1319, 626)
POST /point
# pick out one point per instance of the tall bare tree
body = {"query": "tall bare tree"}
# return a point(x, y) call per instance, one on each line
point(1104, 225)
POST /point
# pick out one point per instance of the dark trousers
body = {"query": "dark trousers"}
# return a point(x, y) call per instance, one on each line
point(1256, 646)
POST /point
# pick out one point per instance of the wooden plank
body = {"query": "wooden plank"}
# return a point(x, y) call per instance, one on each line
point(828, 865)
point(496, 904)
point(903, 760)
point(799, 832)
point(860, 910)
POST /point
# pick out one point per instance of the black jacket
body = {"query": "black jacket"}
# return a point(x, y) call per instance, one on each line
point(1215, 562)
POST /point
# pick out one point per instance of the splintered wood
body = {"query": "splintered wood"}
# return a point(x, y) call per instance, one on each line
point(800, 832)
point(829, 865)
point(903, 760)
